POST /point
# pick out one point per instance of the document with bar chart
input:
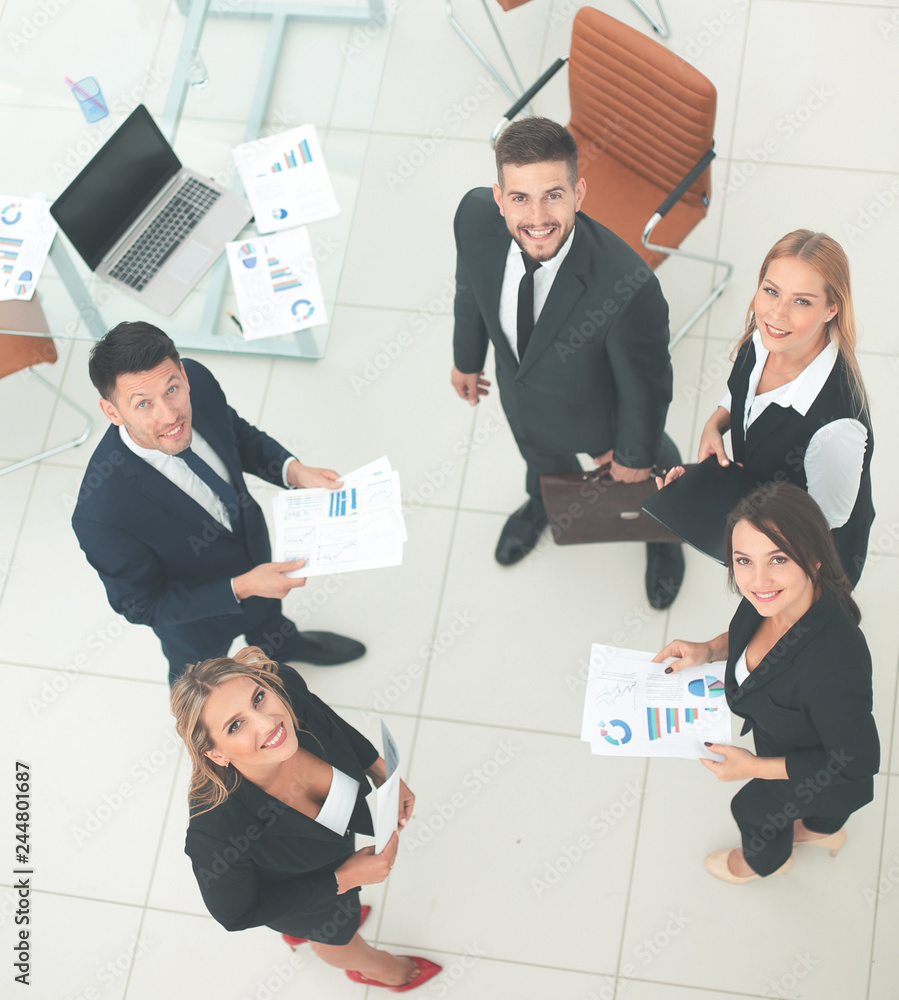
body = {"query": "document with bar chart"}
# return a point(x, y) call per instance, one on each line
point(26, 232)
point(358, 526)
point(632, 708)
point(286, 179)
point(276, 282)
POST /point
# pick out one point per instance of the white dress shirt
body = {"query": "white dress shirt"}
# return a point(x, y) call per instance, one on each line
point(544, 277)
point(835, 454)
point(337, 809)
point(177, 471)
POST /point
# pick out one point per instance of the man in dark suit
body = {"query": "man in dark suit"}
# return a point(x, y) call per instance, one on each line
point(579, 327)
point(165, 517)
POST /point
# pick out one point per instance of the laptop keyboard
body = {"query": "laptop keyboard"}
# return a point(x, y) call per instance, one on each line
point(165, 234)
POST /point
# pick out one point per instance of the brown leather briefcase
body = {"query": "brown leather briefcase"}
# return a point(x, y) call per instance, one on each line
point(593, 507)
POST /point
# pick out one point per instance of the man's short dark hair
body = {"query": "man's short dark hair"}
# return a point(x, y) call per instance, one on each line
point(127, 348)
point(536, 140)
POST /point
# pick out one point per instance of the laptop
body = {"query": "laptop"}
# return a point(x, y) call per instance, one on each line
point(142, 221)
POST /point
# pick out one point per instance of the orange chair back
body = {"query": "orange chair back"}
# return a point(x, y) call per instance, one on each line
point(18, 352)
point(642, 117)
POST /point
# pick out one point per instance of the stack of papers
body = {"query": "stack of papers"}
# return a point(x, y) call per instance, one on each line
point(26, 232)
point(632, 708)
point(358, 526)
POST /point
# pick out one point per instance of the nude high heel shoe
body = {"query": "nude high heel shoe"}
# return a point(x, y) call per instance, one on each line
point(833, 842)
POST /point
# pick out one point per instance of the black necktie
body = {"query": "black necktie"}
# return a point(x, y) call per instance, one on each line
point(223, 490)
point(526, 304)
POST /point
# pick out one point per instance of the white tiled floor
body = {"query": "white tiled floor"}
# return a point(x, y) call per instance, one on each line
point(509, 874)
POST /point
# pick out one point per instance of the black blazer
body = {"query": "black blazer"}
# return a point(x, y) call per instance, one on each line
point(809, 700)
point(596, 373)
point(163, 560)
point(257, 861)
point(773, 449)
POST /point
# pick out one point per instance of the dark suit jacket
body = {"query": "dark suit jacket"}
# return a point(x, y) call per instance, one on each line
point(258, 861)
point(809, 700)
point(596, 373)
point(773, 449)
point(163, 560)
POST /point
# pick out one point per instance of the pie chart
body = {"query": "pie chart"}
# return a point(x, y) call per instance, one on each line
point(616, 741)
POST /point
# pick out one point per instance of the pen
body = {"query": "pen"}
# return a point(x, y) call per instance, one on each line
point(234, 320)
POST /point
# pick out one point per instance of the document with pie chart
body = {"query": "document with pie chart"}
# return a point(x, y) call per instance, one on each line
point(632, 708)
point(276, 282)
point(286, 179)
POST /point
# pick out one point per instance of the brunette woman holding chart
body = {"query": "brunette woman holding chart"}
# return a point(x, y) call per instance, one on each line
point(276, 795)
point(799, 674)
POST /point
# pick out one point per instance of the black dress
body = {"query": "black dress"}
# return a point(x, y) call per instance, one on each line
point(259, 862)
point(809, 700)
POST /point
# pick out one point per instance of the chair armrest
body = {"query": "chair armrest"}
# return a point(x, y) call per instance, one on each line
point(525, 98)
point(685, 184)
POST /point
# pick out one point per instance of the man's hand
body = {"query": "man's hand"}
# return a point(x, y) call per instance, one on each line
point(469, 387)
point(268, 580)
point(302, 477)
point(621, 473)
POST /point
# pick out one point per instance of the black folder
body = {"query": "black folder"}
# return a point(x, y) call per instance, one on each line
point(695, 506)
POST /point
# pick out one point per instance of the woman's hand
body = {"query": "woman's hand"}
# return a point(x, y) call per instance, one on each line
point(737, 764)
point(367, 868)
point(712, 442)
point(407, 801)
point(675, 472)
point(689, 654)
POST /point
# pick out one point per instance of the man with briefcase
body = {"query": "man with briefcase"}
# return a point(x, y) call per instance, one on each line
point(580, 333)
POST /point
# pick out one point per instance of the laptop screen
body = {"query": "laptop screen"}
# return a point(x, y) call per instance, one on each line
point(97, 208)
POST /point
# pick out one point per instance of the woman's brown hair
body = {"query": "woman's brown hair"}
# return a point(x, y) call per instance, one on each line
point(794, 522)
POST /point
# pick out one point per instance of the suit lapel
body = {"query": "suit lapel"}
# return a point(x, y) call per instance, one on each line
point(153, 485)
point(783, 653)
point(280, 819)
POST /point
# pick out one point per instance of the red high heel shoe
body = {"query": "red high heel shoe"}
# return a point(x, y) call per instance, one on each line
point(294, 942)
point(426, 970)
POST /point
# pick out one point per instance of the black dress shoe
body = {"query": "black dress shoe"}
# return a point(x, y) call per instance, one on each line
point(664, 573)
point(326, 649)
point(520, 532)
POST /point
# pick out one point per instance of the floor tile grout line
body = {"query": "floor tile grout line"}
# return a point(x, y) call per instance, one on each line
point(439, 606)
point(883, 833)
point(164, 824)
point(630, 878)
point(18, 537)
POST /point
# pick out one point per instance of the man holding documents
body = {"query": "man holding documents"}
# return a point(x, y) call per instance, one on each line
point(579, 327)
point(165, 517)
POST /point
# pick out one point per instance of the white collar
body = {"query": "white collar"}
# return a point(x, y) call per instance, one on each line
point(806, 387)
point(553, 265)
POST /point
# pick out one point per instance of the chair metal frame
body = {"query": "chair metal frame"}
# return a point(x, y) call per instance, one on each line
point(660, 27)
point(73, 443)
point(679, 191)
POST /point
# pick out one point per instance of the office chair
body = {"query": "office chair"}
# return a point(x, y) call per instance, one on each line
point(660, 27)
point(20, 352)
point(644, 123)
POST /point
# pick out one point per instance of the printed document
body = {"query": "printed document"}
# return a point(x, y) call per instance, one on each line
point(358, 526)
point(286, 179)
point(632, 708)
point(388, 794)
point(26, 232)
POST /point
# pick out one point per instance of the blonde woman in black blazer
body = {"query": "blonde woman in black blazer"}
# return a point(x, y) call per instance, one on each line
point(267, 755)
point(799, 674)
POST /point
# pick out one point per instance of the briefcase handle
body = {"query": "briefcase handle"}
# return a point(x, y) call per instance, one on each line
point(602, 474)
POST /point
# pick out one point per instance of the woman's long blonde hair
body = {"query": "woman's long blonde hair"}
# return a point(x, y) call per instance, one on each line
point(211, 784)
point(828, 258)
